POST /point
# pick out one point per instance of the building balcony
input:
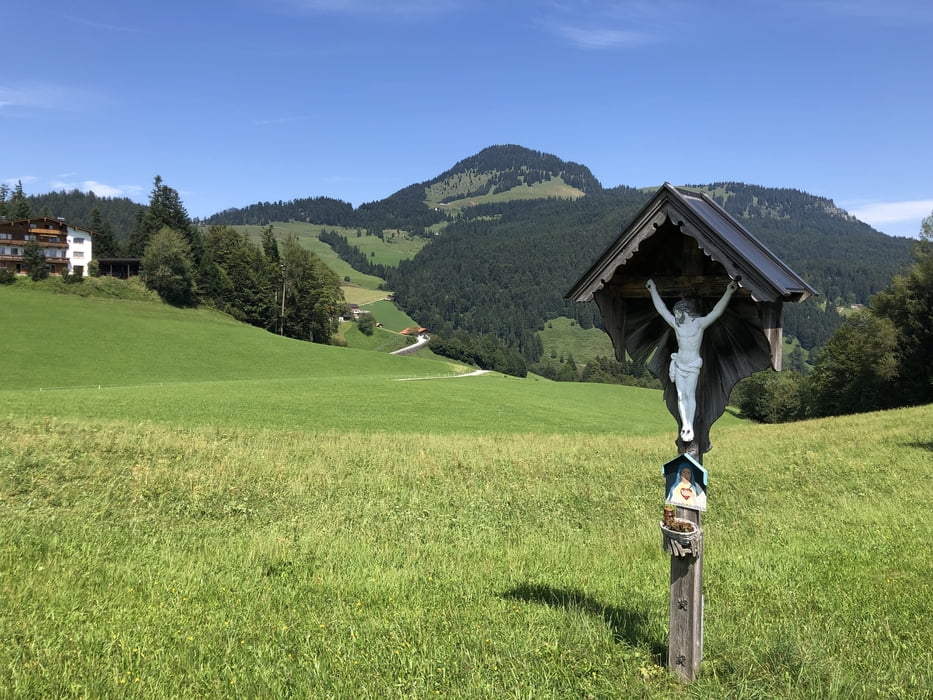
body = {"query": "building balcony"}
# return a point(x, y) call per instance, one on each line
point(19, 258)
point(20, 242)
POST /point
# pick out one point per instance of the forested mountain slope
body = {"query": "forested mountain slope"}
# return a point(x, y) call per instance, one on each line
point(504, 258)
point(843, 257)
point(512, 228)
point(502, 268)
point(77, 208)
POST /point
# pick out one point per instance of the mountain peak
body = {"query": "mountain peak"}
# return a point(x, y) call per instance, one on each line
point(512, 172)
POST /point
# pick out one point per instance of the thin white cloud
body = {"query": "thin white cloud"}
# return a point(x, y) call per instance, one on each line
point(22, 99)
point(98, 188)
point(599, 38)
point(24, 179)
point(19, 97)
point(398, 8)
point(100, 25)
point(278, 121)
point(610, 24)
point(893, 212)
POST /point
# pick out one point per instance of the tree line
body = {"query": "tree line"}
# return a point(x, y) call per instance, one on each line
point(285, 289)
point(880, 357)
point(276, 285)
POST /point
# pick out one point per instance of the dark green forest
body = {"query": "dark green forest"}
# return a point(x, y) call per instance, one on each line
point(78, 207)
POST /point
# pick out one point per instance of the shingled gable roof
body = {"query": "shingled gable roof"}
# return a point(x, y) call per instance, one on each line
point(720, 237)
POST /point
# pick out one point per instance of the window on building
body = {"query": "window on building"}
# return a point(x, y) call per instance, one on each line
point(30, 237)
point(78, 254)
point(79, 241)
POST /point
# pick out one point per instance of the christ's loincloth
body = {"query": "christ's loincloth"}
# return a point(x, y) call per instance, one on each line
point(684, 369)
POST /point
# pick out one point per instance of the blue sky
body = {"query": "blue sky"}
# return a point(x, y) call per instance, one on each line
point(238, 101)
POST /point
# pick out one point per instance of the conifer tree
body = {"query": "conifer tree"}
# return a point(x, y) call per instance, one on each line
point(19, 205)
point(165, 211)
point(4, 200)
point(270, 246)
point(104, 244)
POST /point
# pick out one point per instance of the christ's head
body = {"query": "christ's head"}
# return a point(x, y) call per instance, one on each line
point(683, 309)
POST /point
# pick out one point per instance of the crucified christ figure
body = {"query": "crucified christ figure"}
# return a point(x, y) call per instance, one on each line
point(686, 362)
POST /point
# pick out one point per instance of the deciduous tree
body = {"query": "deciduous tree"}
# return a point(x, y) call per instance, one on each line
point(168, 269)
point(313, 297)
point(908, 304)
point(854, 371)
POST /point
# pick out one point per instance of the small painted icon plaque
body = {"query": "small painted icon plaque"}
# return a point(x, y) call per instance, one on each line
point(685, 483)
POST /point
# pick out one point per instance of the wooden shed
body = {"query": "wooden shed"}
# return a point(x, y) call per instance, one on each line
point(691, 247)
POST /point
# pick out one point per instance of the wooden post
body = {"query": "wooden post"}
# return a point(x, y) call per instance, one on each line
point(685, 637)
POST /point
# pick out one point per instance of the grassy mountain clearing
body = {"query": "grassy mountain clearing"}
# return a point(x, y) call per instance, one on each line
point(288, 520)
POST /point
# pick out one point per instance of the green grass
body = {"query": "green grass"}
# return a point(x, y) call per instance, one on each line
point(360, 295)
point(53, 341)
point(390, 316)
point(390, 250)
point(555, 187)
point(563, 337)
point(288, 520)
point(381, 340)
point(149, 361)
point(228, 560)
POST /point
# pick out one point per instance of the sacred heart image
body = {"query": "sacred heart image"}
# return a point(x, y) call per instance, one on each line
point(685, 483)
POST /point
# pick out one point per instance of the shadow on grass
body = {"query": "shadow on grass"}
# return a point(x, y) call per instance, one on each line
point(627, 625)
point(920, 445)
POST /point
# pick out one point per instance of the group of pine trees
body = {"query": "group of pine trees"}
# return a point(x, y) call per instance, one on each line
point(282, 287)
point(13, 202)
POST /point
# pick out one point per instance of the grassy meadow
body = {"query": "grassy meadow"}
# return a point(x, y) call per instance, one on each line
point(394, 247)
point(563, 337)
point(554, 187)
point(195, 508)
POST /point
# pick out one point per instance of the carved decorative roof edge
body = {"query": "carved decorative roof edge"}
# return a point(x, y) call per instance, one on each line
point(720, 237)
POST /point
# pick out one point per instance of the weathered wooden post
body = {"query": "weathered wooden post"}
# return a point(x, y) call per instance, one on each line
point(682, 250)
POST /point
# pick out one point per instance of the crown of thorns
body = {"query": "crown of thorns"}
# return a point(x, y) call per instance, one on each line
point(686, 305)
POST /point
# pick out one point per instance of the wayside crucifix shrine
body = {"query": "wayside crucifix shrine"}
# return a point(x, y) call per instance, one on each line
point(687, 290)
